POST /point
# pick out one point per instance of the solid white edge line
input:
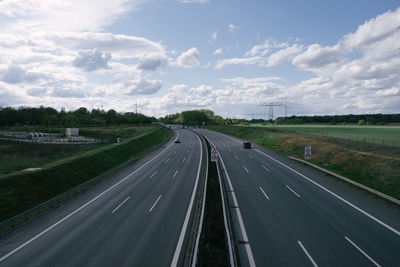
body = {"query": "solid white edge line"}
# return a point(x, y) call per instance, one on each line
point(155, 203)
point(189, 211)
point(123, 202)
point(288, 187)
point(359, 249)
point(307, 254)
point(79, 209)
point(200, 229)
point(244, 167)
point(264, 193)
point(325, 189)
point(335, 195)
point(239, 215)
point(176, 172)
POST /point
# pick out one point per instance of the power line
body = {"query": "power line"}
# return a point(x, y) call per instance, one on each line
point(271, 105)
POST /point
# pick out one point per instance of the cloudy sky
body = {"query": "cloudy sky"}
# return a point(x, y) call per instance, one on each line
point(166, 56)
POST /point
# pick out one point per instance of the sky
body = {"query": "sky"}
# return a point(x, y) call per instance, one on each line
point(165, 56)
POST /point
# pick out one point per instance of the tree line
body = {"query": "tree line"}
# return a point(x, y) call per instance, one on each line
point(208, 116)
point(47, 116)
point(370, 119)
point(194, 116)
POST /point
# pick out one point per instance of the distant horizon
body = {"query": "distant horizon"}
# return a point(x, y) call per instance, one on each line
point(216, 114)
point(321, 57)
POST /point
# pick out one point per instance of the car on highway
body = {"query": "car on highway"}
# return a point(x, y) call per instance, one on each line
point(246, 145)
point(177, 140)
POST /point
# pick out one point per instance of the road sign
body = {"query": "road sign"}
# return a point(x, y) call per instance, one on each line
point(214, 154)
point(307, 152)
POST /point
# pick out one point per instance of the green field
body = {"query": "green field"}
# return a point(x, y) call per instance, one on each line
point(376, 169)
point(16, 156)
point(382, 135)
point(21, 191)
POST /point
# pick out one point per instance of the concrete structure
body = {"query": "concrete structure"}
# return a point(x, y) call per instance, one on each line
point(72, 132)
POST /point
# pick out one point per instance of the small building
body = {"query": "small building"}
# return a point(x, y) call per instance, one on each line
point(72, 132)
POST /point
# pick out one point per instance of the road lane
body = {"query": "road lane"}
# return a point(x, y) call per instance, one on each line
point(313, 217)
point(124, 226)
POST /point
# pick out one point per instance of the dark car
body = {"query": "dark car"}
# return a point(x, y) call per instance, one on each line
point(177, 140)
point(246, 145)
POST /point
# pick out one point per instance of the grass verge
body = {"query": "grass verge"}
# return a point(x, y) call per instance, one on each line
point(377, 171)
point(212, 247)
point(24, 191)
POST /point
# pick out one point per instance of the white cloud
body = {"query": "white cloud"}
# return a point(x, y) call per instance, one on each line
point(283, 55)
point(374, 30)
point(68, 93)
point(153, 62)
point(189, 58)
point(16, 75)
point(45, 45)
point(317, 56)
point(92, 60)
point(232, 28)
point(264, 48)
point(388, 92)
point(59, 15)
point(239, 61)
point(121, 46)
point(214, 36)
point(218, 51)
point(193, 1)
point(143, 87)
point(258, 55)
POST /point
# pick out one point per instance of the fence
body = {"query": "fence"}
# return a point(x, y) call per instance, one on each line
point(57, 141)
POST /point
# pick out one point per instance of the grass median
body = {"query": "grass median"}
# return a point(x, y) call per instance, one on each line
point(380, 171)
point(23, 191)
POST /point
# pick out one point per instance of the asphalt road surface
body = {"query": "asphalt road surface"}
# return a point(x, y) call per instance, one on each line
point(138, 217)
point(295, 216)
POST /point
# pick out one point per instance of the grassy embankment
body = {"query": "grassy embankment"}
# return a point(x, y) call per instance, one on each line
point(16, 156)
point(380, 171)
point(23, 191)
point(380, 135)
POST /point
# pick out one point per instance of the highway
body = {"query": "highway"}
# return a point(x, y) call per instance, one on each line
point(137, 217)
point(291, 215)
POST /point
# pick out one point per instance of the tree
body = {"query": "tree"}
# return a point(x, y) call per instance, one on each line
point(193, 116)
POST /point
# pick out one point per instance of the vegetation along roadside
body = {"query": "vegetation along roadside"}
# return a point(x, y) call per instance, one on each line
point(378, 170)
point(23, 191)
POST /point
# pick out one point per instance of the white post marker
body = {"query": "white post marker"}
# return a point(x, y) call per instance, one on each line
point(214, 154)
point(307, 152)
